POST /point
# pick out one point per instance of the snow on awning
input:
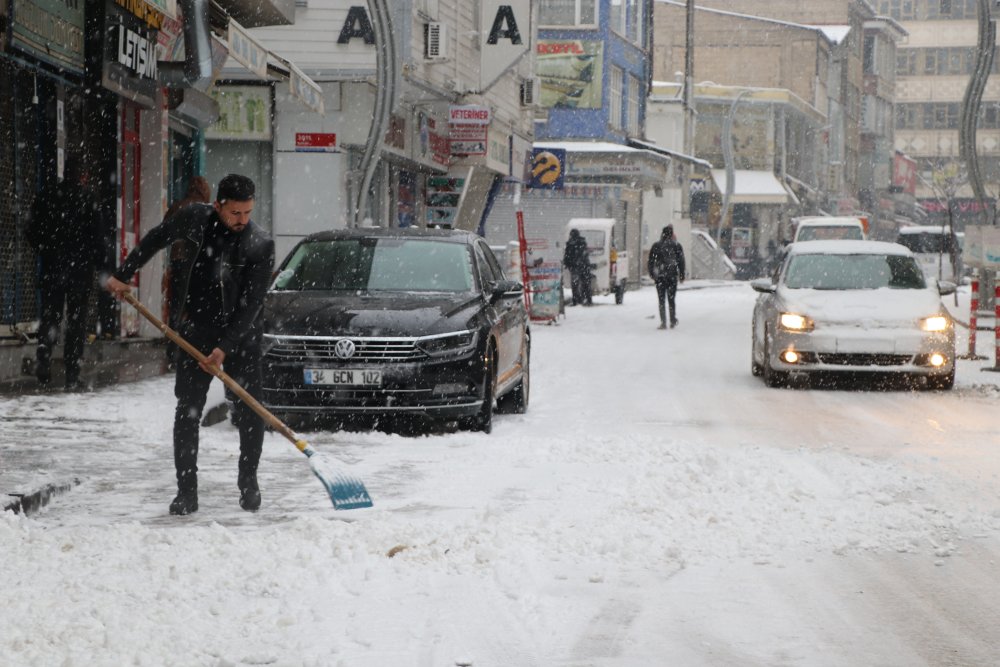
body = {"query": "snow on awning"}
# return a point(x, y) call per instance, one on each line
point(752, 187)
point(835, 33)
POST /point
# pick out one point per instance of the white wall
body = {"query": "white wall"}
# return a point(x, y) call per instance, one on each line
point(310, 189)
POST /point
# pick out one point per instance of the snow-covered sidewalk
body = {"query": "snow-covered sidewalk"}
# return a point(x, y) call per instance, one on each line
point(607, 526)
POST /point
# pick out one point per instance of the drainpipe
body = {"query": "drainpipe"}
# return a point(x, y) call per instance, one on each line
point(197, 67)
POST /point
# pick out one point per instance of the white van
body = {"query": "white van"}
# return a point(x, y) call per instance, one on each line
point(935, 248)
point(828, 228)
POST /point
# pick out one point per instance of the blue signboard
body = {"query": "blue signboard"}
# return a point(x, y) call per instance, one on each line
point(548, 168)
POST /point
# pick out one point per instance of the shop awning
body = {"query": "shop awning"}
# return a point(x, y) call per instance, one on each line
point(609, 163)
point(753, 187)
point(645, 145)
point(257, 59)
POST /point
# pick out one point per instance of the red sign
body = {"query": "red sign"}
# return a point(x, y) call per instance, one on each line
point(904, 173)
point(316, 142)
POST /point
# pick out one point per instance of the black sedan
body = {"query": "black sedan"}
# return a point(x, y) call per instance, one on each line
point(396, 322)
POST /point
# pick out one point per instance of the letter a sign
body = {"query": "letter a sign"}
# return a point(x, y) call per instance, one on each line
point(505, 35)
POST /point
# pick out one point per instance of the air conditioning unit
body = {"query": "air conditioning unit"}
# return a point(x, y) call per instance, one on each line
point(530, 91)
point(435, 41)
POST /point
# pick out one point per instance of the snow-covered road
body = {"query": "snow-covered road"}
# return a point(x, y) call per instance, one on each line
point(656, 506)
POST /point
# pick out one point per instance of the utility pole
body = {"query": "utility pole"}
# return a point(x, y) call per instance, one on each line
point(688, 104)
point(985, 47)
point(385, 97)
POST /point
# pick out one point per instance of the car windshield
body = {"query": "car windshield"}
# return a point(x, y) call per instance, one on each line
point(829, 233)
point(848, 272)
point(925, 242)
point(378, 264)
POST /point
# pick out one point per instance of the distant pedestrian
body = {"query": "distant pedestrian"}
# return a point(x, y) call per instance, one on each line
point(225, 270)
point(666, 268)
point(576, 259)
point(64, 231)
point(198, 192)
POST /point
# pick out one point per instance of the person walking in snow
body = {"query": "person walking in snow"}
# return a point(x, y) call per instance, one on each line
point(666, 268)
point(224, 269)
point(64, 232)
point(576, 259)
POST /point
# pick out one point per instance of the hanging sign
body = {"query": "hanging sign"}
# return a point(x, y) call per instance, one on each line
point(50, 30)
point(505, 30)
point(168, 7)
point(304, 89)
point(468, 114)
point(246, 50)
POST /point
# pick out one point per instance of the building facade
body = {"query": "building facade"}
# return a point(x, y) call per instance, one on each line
point(456, 114)
point(593, 75)
point(118, 87)
point(933, 70)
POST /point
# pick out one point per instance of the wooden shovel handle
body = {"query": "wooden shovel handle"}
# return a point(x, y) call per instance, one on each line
point(242, 393)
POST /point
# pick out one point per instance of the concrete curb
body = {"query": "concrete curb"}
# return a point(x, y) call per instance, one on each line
point(29, 503)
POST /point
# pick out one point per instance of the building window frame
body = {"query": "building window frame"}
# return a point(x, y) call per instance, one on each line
point(586, 13)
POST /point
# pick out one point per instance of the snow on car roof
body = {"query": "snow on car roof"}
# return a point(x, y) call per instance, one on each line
point(847, 247)
point(830, 222)
point(925, 229)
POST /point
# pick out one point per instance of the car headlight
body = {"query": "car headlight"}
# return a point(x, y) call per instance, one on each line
point(795, 322)
point(935, 323)
point(457, 343)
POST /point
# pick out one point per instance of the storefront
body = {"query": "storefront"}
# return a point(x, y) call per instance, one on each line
point(42, 105)
point(582, 180)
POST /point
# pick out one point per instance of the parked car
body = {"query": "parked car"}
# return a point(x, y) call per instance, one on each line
point(396, 322)
point(937, 250)
point(852, 306)
point(830, 228)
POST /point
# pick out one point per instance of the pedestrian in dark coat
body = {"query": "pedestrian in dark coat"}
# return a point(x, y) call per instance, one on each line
point(666, 268)
point(576, 259)
point(64, 232)
point(224, 271)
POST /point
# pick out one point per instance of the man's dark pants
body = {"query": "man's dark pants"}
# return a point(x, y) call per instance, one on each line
point(60, 286)
point(191, 390)
point(668, 289)
point(580, 284)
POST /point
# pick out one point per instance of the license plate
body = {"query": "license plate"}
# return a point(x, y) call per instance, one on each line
point(343, 377)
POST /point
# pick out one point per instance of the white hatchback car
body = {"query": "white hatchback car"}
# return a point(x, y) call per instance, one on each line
point(855, 307)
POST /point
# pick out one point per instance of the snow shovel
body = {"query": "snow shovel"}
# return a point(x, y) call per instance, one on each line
point(346, 492)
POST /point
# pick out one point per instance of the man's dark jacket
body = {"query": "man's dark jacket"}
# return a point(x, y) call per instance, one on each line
point(576, 258)
point(247, 261)
point(666, 261)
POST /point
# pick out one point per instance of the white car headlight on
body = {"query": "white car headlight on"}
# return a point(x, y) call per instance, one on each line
point(795, 322)
point(935, 323)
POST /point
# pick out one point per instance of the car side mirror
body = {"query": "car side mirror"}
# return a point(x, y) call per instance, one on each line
point(505, 289)
point(763, 285)
point(945, 287)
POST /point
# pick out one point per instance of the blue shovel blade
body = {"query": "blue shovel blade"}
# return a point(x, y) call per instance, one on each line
point(346, 491)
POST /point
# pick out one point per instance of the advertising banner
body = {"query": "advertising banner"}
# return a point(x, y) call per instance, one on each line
point(443, 196)
point(50, 30)
point(544, 267)
point(570, 73)
point(981, 249)
point(244, 113)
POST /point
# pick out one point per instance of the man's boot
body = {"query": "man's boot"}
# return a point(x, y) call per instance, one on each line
point(186, 501)
point(249, 491)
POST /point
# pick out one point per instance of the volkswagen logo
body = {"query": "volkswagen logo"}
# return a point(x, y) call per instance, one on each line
point(344, 349)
